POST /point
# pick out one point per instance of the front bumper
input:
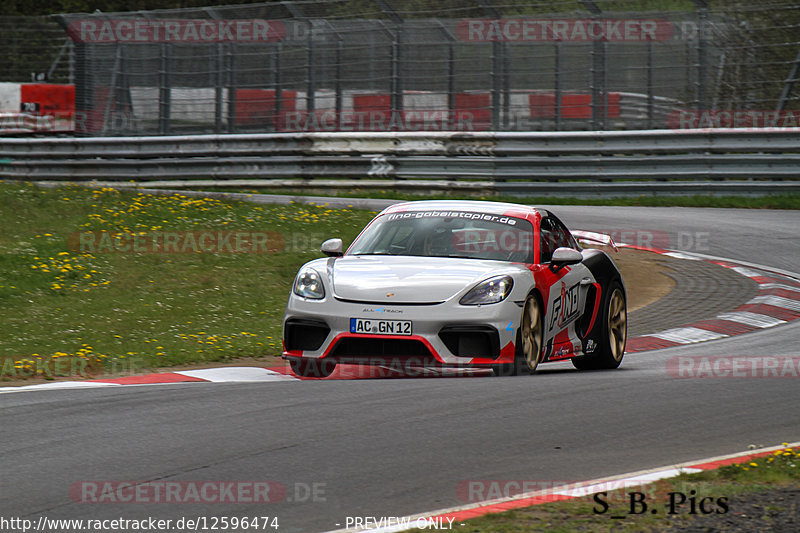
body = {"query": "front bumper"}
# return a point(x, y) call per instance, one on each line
point(443, 334)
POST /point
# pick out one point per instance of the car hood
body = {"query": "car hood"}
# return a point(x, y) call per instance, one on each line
point(408, 279)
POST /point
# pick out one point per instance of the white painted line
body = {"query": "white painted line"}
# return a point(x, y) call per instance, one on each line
point(681, 255)
point(630, 482)
point(782, 286)
point(777, 301)
point(749, 272)
point(751, 319)
point(794, 276)
point(237, 373)
point(59, 385)
point(688, 335)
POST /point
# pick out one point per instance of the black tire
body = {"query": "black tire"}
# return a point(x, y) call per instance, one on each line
point(611, 348)
point(529, 341)
point(309, 368)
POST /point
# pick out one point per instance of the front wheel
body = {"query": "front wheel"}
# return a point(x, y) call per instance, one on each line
point(613, 336)
point(310, 368)
point(529, 342)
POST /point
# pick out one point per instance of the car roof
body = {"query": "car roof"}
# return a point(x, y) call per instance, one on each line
point(492, 208)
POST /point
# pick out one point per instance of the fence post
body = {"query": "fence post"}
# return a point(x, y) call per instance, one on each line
point(650, 88)
point(702, 51)
point(451, 74)
point(397, 89)
point(497, 51)
point(123, 102)
point(112, 89)
point(495, 75)
point(84, 89)
point(71, 63)
point(338, 83)
point(604, 125)
point(451, 84)
point(597, 69)
point(276, 120)
point(558, 85)
point(506, 122)
point(397, 41)
point(311, 88)
point(593, 87)
point(219, 89)
point(164, 89)
point(372, 47)
point(232, 85)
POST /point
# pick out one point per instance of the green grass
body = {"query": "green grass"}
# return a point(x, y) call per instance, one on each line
point(743, 485)
point(155, 309)
point(776, 201)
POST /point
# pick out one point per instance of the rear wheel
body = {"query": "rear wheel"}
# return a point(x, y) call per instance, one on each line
point(611, 348)
point(309, 368)
point(529, 342)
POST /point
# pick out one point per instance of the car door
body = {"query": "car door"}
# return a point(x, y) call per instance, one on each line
point(567, 289)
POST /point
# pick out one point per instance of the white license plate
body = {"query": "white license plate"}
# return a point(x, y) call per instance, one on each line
point(380, 327)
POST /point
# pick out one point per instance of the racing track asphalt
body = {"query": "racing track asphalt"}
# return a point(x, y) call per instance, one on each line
point(399, 447)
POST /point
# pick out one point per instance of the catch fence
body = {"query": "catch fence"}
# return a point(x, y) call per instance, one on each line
point(397, 65)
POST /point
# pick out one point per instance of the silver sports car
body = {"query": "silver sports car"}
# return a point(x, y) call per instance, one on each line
point(458, 284)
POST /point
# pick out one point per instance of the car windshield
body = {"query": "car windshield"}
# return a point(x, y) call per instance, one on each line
point(448, 234)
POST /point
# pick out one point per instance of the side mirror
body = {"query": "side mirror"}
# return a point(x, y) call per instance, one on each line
point(332, 248)
point(566, 256)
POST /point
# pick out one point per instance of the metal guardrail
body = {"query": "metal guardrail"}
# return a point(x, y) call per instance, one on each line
point(511, 161)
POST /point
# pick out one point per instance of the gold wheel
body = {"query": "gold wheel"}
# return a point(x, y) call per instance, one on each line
point(617, 324)
point(531, 333)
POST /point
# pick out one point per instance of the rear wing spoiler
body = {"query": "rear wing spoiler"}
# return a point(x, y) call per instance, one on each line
point(595, 238)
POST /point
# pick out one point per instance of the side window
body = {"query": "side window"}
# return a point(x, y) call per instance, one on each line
point(546, 240)
point(565, 238)
point(553, 234)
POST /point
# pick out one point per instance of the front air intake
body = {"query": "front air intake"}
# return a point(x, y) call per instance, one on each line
point(304, 334)
point(471, 341)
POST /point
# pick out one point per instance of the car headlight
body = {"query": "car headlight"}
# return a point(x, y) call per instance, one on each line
point(308, 284)
point(490, 291)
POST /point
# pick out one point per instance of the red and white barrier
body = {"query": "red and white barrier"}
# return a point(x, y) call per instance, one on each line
point(36, 107)
point(45, 107)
